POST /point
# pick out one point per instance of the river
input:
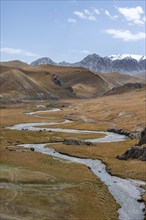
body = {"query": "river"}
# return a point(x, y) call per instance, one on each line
point(125, 191)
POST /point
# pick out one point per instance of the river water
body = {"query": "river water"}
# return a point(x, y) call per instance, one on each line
point(125, 191)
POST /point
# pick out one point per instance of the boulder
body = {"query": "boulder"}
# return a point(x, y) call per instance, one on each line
point(132, 135)
point(19, 149)
point(142, 137)
point(143, 156)
point(56, 80)
point(119, 131)
point(136, 152)
point(135, 135)
point(60, 83)
point(75, 141)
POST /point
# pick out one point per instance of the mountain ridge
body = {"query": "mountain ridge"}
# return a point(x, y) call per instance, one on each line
point(122, 63)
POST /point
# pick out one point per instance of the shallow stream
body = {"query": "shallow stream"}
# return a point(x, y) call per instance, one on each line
point(125, 191)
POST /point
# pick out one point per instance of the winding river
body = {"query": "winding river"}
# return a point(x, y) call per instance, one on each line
point(125, 191)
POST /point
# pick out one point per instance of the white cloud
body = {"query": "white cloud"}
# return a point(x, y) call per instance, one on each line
point(113, 17)
point(126, 35)
point(133, 14)
point(71, 20)
point(86, 14)
point(85, 51)
point(107, 13)
point(144, 19)
point(80, 51)
point(96, 11)
point(14, 51)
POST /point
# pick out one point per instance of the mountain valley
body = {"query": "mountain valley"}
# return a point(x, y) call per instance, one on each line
point(50, 106)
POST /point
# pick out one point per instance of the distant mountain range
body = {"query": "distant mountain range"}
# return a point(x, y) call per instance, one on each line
point(122, 63)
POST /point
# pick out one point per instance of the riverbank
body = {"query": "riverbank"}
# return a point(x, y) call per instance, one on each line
point(126, 192)
point(23, 167)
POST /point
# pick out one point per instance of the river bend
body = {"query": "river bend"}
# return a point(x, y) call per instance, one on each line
point(125, 191)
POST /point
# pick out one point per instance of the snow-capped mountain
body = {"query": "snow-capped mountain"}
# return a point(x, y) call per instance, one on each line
point(127, 56)
point(122, 63)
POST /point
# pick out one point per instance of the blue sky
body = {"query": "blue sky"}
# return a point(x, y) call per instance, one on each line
point(70, 30)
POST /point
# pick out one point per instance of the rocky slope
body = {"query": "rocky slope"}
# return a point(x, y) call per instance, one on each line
point(138, 151)
point(41, 61)
point(143, 137)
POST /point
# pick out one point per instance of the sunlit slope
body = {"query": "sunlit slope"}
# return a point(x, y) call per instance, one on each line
point(16, 84)
point(74, 82)
point(118, 79)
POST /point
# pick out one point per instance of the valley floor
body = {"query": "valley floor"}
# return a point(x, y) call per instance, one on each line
point(38, 186)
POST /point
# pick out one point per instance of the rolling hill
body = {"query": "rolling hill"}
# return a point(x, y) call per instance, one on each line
point(15, 83)
point(118, 79)
point(20, 82)
point(126, 88)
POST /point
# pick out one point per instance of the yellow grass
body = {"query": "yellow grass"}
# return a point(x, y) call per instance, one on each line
point(48, 188)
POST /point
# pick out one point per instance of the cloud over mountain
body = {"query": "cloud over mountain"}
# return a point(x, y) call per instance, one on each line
point(126, 35)
point(9, 50)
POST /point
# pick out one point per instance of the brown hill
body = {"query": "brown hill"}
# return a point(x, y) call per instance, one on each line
point(20, 81)
point(118, 79)
point(16, 85)
point(14, 63)
point(46, 82)
point(5, 66)
point(126, 88)
point(85, 84)
point(141, 76)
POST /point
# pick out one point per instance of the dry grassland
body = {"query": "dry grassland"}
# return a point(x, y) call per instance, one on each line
point(42, 187)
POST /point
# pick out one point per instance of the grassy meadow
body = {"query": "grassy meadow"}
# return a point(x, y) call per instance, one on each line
point(38, 186)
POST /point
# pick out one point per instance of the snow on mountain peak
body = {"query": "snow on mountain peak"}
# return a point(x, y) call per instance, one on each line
point(123, 56)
